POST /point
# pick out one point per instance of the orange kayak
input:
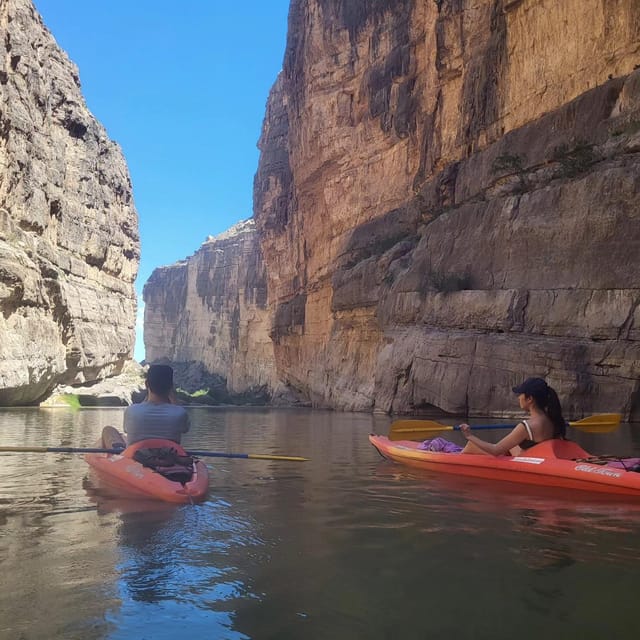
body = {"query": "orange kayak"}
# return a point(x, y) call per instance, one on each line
point(553, 463)
point(122, 472)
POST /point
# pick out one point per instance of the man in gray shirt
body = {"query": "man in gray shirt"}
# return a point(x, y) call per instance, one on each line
point(157, 416)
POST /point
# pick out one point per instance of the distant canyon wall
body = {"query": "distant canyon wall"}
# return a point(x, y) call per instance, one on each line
point(446, 203)
point(212, 309)
point(69, 247)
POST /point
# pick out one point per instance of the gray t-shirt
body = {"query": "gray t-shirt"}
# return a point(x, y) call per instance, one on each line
point(150, 420)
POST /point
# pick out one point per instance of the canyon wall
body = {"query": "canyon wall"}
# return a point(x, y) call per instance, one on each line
point(69, 247)
point(445, 204)
point(211, 309)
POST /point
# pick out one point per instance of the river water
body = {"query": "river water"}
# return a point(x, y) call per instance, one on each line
point(346, 545)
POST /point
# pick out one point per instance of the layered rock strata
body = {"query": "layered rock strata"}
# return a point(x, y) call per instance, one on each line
point(211, 309)
point(447, 203)
point(69, 247)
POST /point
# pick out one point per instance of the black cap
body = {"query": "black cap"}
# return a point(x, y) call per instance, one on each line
point(532, 387)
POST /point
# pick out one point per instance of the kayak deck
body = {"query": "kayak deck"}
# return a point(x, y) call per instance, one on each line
point(128, 476)
point(553, 463)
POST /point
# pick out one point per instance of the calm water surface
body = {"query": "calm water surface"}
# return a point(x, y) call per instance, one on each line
point(344, 546)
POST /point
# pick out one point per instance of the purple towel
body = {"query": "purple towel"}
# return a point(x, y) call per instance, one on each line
point(624, 463)
point(440, 444)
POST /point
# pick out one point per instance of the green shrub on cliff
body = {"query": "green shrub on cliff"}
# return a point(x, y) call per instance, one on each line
point(514, 164)
point(576, 159)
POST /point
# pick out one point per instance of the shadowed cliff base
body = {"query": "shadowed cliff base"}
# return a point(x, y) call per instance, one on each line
point(196, 386)
point(124, 389)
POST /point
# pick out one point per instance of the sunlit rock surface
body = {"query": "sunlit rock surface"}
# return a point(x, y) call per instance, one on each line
point(69, 247)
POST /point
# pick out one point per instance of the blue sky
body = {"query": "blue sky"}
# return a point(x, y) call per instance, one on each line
point(182, 87)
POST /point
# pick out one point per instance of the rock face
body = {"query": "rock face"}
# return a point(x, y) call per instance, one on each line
point(446, 203)
point(69, 247)
point(120, 390)
point(212, 309)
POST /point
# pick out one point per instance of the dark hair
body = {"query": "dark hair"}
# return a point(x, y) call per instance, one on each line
point(547, 399)
point(554, 411)
point(160, 379)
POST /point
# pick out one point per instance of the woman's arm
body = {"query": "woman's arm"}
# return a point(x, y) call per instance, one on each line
point(512, 439)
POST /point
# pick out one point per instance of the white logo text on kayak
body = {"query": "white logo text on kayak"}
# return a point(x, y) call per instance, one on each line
point(601, 471)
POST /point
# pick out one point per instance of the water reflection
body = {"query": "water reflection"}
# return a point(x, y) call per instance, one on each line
point(344, 546)
point(545, 527)
point(178, 561)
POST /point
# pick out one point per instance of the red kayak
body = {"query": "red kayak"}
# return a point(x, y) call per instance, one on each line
point(553, 463)
point(124, 473)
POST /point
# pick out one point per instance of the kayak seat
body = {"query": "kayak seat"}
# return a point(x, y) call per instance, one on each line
point(167, 462)
point(563, 449)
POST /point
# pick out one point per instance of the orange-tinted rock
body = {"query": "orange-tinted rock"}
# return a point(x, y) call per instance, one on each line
point(446, 203)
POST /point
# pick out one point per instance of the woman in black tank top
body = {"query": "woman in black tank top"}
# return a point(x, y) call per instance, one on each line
point(544, 423)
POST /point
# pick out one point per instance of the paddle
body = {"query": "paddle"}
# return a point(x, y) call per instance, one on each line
point(407, 429)
point(201, 454)
point(252, 456)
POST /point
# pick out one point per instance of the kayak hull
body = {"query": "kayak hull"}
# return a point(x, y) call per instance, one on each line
point(554, 463)
point(129, 477)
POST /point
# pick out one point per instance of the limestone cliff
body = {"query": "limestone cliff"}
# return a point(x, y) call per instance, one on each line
point(211, 309)
point(447, 203)
point(69, 245)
